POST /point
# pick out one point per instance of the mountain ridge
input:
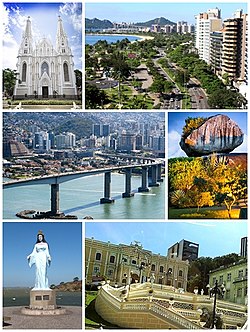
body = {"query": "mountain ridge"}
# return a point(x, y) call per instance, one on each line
point(96, 23)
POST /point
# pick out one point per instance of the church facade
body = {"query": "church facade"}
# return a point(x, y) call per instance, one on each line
point(45, 71)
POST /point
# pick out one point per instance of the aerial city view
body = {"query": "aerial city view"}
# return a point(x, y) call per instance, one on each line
point(89, 160)
point(168, 56)
point(143, 175)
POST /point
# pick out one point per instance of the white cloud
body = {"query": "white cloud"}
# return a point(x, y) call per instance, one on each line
point(10, 46)
point(174, 149)
point(243, 147)
point(74, 13)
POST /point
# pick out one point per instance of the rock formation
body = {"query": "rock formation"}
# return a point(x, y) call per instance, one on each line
point(218, 134)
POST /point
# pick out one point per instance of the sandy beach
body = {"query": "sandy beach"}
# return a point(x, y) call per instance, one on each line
point(142, 37)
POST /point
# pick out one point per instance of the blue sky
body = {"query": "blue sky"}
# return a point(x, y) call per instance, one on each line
point(215, 238)
point(44, 17)
point(126, 11)
point(65, 243)
point(176, 121)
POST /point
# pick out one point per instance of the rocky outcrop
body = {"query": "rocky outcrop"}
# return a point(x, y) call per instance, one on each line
point(218, 134)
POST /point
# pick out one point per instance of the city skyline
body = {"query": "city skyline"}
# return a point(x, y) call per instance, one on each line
point(178, 11)
point(158, 237)
point(176, 121)
point(65, 243)
point(15, 16)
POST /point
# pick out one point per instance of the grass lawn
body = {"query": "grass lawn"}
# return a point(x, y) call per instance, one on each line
point(92, 319)
point(127, 98)
point(203, 213)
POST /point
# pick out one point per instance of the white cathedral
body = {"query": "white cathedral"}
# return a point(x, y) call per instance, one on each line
point(44, 71)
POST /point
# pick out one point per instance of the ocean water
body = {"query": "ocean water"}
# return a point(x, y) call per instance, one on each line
point(20, 297)
point(92, 39)
point(81, 197)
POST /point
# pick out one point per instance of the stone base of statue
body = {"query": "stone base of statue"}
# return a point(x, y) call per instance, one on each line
point(43, 302)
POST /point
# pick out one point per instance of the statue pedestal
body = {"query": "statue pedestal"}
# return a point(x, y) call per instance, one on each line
point(42, 299)
point(43, 302)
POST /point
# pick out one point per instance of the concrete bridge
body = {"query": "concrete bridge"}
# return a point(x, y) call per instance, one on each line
point(55, 180)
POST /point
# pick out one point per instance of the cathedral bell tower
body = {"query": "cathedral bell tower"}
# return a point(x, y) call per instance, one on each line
point(27, 42)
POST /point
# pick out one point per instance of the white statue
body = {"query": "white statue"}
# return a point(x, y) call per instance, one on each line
point(41, 258)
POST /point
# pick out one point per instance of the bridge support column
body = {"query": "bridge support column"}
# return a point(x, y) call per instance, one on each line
point(144, 180)
point(154, 169)
point(159, 178)
point(54, 199)
point(107, 189)
point(128, 174)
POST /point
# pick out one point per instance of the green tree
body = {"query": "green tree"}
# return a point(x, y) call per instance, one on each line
point(94, 97)
point(9, 81)
point(78, 75)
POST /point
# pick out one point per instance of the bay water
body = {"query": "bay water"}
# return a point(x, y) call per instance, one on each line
point(91, 39)
point(81, 197)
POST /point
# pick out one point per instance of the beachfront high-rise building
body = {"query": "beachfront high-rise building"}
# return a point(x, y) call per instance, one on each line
point(216, 51)
point(205, 24)
point(234, 51)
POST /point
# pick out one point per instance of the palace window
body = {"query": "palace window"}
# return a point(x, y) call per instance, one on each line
point(112, 259)
point(24, 72)
point(240, 274)
point(180, 273)
point(161, 269)
point(229, 276)
point(98, 256)
point(153, 267)
point(133, 261)
point(45, 68)
point(96, 270)
point(66, 72)
point(110, 272)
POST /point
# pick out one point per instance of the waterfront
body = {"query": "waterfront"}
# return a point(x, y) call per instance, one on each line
point(18, 296)
point(91, 39)
point(81, 197)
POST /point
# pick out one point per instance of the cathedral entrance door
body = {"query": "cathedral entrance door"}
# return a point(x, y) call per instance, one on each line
point(45, 91)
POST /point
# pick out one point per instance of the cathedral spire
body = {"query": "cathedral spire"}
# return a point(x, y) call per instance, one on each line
point(27, 42)
point(60, 30)
point(27, 32)
point(61, 38)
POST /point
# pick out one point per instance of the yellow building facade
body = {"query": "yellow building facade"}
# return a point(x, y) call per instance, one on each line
point(127, 264)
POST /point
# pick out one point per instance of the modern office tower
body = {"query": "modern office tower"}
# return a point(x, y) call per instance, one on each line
point(105, 130)
point(70, 140)
point(243, 246)
point(60, 141)
point(126, 142)
point(96, 130)
point(52, 139)
point(184, 250)
point(205, 24)
point(41, 141)
point(99, 130)
point(234, 52)
point(216, 51)
point(139, 142)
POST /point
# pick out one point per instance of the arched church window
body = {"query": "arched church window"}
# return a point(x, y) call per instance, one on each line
point(24, 72)
point(45, 68)
point(66, 72)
